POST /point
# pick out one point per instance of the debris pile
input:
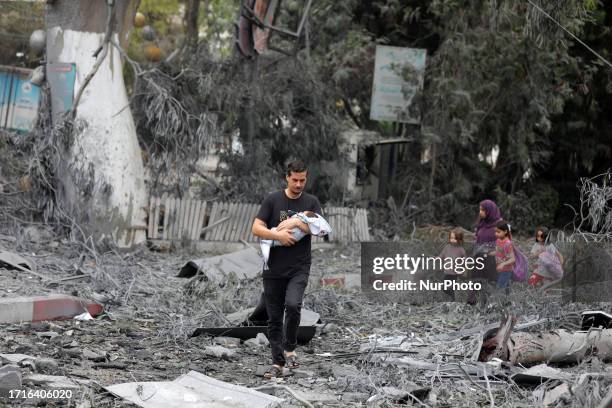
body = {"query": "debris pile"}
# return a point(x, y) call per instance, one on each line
point(363, 352)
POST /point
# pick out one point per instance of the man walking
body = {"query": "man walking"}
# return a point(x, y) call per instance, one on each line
point(288, 266)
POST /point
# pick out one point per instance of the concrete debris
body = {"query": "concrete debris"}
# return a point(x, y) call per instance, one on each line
point(227, 341)
point(93, 356)
point(559, 393)
point(262, 339)
point(539, 374)
point(49, 307)
point(57, 382)
point(47, 335)
point(407, 393)
point(559, 346)
point(301, 373)
point(220, 352)
point(9, 368)
point(192, 390)
point(243, 264)
point(357, 397)
point(15, 358)
point(12, 260)
point(10, 380)
point(46, 366)
point(259, 341)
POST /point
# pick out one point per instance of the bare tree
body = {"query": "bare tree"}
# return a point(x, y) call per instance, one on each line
point(104, 149)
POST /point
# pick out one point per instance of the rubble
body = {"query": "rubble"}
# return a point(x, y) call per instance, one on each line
point(361, 348)
point(559, 346)
point(243, 264)
point(192, 390)
point(49, 307)
point(10, 379)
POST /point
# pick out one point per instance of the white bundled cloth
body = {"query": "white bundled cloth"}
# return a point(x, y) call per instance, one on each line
point(317, 225)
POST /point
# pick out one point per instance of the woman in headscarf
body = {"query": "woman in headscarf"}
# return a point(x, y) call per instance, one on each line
point(488, 216)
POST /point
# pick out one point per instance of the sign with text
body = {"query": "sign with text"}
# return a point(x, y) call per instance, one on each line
point(61, 77)
point(18, 100)
point(398, 75)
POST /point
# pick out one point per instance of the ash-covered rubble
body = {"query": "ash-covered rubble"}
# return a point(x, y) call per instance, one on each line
point(373, 352)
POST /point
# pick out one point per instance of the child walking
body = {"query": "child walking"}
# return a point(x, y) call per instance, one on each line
point(548, 260)
point(504, 255)
point(454, 249)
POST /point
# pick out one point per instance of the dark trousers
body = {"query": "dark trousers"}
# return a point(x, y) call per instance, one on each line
point(284, 299)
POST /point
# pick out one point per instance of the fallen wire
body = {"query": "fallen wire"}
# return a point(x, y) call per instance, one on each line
point(570, 33)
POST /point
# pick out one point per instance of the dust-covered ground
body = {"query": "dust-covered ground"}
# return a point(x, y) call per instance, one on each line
point(382, 351)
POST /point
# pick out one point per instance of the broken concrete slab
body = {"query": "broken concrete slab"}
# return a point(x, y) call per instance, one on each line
point(49, 307)
point(243, 264)
point(58, 382)
point(15, 358)
point(539, 374)
point(11, 260)
point(192, 390)
point(10, 380)
point(9, 368)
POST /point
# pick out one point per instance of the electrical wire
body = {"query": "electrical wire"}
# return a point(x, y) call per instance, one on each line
point(570, 33)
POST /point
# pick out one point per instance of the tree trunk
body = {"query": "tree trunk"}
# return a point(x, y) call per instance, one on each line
point(104, 161)
point(191, 20)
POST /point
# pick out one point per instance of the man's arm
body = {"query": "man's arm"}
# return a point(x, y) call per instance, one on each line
point(261, 230)
point(291, 223)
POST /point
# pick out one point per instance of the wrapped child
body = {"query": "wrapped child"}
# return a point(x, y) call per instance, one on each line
point(317, 225)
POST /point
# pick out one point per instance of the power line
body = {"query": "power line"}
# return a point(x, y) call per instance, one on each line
point(571, 34)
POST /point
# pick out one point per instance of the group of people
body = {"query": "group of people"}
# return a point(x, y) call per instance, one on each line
point(501, 257)
point(289, 217)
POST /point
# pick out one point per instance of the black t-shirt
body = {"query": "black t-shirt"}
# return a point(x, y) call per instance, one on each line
point(284, 261)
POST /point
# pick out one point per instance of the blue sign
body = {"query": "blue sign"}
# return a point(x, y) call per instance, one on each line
point(19, 100)
point(61, 77)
